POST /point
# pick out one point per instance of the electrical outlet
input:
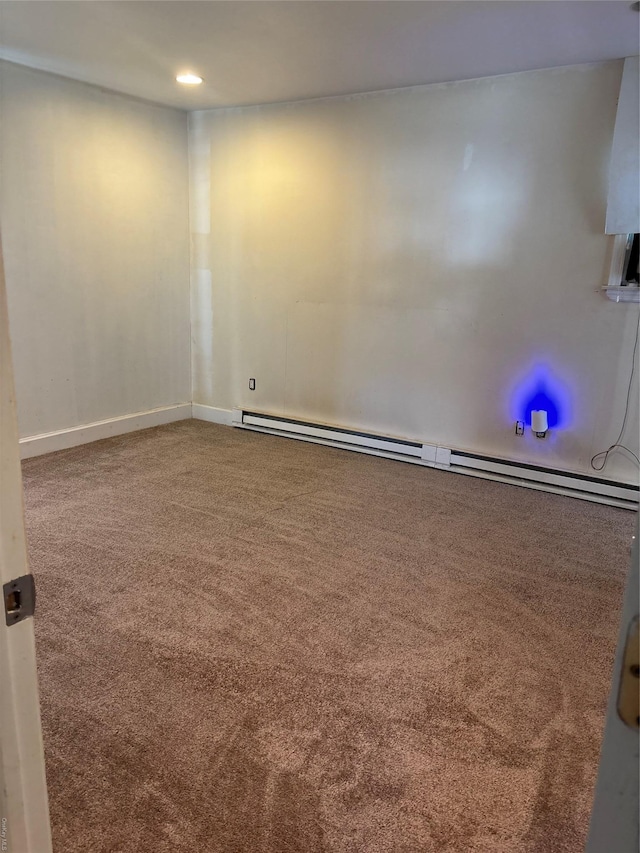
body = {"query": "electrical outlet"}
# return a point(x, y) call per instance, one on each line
point(519, 427)
point(252, 385)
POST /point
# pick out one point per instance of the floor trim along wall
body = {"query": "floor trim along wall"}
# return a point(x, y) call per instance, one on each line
point(581, 486)
point(36, 445)
point(532, 477)
point(211, 414)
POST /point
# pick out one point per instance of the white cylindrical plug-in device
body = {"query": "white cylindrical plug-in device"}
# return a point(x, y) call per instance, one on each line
point(539, 422)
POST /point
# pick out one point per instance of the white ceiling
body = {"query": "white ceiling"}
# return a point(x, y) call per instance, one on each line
point(263, 51)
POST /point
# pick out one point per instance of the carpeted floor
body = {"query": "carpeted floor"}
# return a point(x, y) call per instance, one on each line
point(248, 644)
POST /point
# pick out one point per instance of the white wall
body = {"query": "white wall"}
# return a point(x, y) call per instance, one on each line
point(402, 262)
point(94, 221)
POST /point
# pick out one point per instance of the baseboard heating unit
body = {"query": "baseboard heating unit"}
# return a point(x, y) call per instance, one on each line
point(430, 455)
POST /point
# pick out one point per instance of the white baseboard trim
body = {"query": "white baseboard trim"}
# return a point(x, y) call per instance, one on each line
point(490, 469)
point(211, 414)
point(37, 445)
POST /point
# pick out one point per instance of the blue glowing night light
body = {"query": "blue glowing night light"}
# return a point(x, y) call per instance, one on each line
point(539, 389)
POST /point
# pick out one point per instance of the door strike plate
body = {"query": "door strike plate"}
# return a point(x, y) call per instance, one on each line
point(629, 693)
point(19, 597)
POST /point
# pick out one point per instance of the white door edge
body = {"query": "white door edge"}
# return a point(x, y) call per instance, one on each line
point(24, 810)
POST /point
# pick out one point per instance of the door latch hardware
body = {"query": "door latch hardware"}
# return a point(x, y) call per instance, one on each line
point(629, 693)
point(19, 597)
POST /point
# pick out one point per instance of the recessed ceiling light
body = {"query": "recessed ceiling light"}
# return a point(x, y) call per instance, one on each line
point(189, 79)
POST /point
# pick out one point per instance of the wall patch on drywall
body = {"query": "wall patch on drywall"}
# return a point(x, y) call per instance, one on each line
point(468, 156)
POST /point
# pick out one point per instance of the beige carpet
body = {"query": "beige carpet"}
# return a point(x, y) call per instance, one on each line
point(249, 644)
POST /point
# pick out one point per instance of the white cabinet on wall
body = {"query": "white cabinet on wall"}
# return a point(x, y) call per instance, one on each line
point(623, 201)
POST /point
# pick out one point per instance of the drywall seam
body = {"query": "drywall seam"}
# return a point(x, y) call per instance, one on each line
point(200, 294)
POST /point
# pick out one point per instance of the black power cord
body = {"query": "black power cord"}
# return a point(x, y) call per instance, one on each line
point(605, 453)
